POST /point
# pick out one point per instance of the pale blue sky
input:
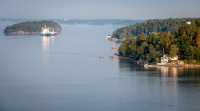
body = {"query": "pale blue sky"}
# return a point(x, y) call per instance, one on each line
point(102, 9)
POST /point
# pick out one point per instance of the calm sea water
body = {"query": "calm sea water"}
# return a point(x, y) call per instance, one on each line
point(65, 73)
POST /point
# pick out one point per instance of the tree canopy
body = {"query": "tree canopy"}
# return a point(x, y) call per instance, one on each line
point(184, 42)
point(153, 25)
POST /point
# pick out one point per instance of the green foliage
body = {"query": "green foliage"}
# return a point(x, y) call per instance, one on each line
point(144, 47)
point(186, 61)
point(157, 59)
point(155, 25)
point(173, 50)
point(34, 26)
point(197, 54)
point(191, 61)
point(152, 51)
point(185, 42)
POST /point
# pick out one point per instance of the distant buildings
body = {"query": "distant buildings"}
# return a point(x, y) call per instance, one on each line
point(165, 59)
point(188, 22)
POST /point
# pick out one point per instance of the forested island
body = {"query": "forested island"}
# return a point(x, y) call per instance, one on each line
point(31, 27)
point(153, 25)
point(181, 38)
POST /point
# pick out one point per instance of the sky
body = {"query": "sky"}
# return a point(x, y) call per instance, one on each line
point(99, 9)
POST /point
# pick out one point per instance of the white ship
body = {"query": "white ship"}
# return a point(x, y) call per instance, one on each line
point(46, 31)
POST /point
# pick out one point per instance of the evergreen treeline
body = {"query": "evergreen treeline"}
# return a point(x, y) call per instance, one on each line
point(185, 43)
point(154, 25)
point(32, 26)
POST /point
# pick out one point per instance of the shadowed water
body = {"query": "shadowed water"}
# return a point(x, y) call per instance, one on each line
point(65, 73)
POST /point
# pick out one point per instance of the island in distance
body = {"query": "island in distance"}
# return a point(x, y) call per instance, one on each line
point(31, 28)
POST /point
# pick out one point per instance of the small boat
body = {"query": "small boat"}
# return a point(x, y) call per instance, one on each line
point(65, 19)
point(108, 36)
point(113, 48)
point(114, 57)
point(46, 31)
point(101, 57)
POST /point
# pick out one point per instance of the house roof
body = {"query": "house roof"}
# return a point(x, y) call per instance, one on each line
point(167, 55)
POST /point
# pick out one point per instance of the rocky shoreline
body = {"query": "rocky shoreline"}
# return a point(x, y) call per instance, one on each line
point(115, 39)
point(175, 65)
point(192, 65)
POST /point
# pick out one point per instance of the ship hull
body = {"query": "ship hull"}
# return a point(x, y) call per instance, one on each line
point(47, 34)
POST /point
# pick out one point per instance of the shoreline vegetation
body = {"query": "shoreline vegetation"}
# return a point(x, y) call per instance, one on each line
point(154, 41)
point(30, 28)
point(172, 64)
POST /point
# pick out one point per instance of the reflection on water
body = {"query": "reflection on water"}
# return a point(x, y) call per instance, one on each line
point(46, 41)
point(127, 65)
point(169, 71)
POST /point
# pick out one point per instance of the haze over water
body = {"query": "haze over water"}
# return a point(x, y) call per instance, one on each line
point(65, 73)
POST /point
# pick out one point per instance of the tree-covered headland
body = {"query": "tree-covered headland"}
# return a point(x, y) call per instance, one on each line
point(31, 27)
point(153, 25)
point(184, 41)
